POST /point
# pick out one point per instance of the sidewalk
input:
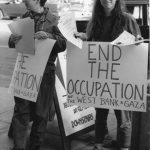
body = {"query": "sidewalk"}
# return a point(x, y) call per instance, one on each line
point(52, 139)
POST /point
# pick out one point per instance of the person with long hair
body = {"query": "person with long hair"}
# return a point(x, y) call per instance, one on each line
point(108, 21)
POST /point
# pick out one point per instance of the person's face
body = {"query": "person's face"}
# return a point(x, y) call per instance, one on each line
point(31, 4)
point(108, 4)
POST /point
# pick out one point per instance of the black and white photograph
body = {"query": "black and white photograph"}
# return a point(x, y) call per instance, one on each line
point(74, 75)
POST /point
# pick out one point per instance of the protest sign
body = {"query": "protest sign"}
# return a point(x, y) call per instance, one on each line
point(107, 76)
point(25, 28)
point(67, 26)
point(126, 38)
point(75, 118)
point(28, 72)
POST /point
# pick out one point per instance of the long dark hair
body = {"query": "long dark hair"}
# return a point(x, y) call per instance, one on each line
point(95, 24)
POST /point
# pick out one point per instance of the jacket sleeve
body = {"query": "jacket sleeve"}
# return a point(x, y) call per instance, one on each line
point(60, 44)
point(54, 33)
point(11, 44)
point(132, 25)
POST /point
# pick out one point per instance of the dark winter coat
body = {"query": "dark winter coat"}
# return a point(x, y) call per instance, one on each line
point(43, 22)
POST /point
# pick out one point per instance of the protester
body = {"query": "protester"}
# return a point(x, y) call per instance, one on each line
point(45, 27)
point(108, 21)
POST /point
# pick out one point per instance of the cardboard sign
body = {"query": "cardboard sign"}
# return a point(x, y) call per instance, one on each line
point(75, 118)
point(126, 38)
point(29, 69)
point(107, 76)
point(25, 28)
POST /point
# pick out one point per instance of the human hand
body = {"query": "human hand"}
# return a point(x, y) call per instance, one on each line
point(15, 38)
point(138, 39)
point(41, 35)
point(80, 35)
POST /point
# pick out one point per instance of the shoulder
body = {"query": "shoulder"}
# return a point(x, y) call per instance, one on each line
point(131, 24)
point(129, 17)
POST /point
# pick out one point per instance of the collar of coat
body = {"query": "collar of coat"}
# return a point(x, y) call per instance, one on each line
point(46, 15)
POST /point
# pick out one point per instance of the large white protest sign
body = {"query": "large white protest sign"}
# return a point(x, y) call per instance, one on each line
point(107, 76)
point(28, 72)
point(75, 118)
